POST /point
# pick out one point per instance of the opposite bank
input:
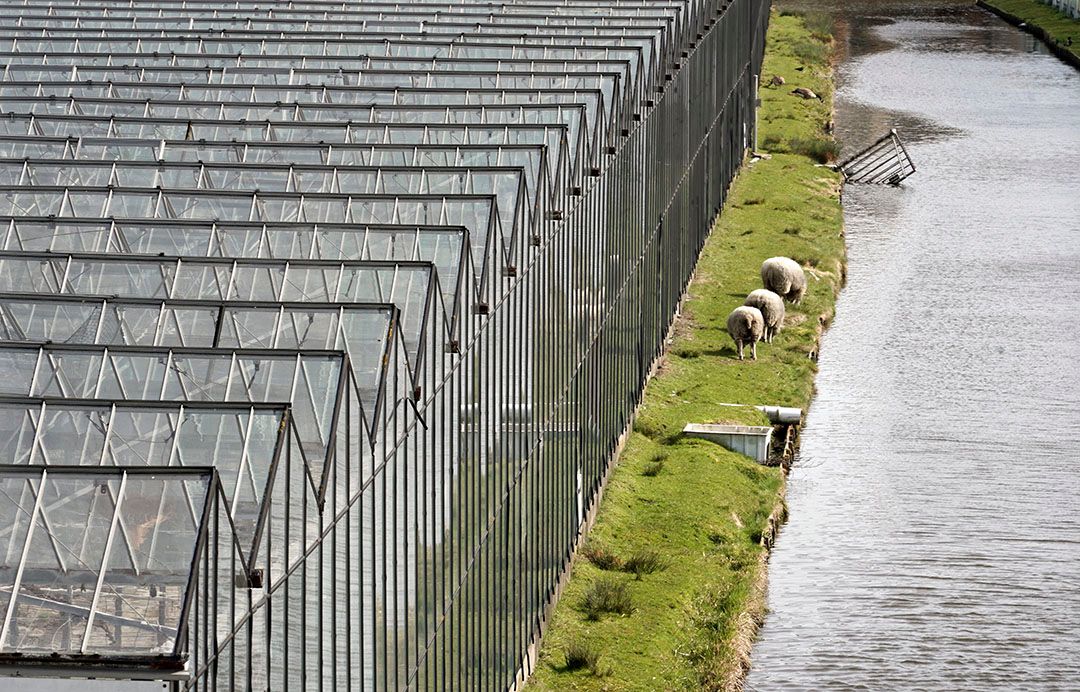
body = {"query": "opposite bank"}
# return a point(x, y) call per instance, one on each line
point(668, 589)
point(1060, 33)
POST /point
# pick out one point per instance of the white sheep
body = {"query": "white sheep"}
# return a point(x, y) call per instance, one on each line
point(746, 325)
point(772, 310)
point(784, 277)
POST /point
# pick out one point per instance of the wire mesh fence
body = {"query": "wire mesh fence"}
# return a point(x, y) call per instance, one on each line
point(347, 306)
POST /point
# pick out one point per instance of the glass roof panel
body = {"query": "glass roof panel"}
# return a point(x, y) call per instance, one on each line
point(307, 380)
point(239, 441)
point(96, 561)
point(503, 184)
point(358, 329)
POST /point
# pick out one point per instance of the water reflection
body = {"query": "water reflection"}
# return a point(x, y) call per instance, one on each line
point(935, 533)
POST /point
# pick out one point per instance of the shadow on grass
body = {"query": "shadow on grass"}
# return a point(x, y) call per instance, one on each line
point(726, 352)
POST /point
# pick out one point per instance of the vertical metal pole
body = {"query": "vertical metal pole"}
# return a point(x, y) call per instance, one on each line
point(104, 561)
point(25, 553)
point(757, 108)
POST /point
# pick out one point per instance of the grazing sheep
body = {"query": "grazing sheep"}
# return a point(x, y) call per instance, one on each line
point(772, 310)
point(784, 277)
point(745, 325)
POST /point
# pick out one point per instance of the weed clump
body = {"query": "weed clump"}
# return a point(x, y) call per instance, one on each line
point(580, 654)
point(810, 51)
point(602, 557)
point(772, 143)
point(655, 466)
point(606, 595)
point(819, 24)
point(646, 429)
point(820, 150)
point(644, 562)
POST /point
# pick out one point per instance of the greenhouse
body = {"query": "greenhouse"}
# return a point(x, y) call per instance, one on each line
point(321, 322)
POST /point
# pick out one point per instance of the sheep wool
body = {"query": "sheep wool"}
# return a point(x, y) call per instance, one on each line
point(784, 277)
point(772, 310)
point(746, 325)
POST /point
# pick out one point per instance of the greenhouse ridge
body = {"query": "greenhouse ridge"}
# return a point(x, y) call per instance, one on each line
point(320, 322)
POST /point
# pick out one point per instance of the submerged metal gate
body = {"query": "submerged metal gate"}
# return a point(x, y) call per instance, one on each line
point(320, 321)
point(885, 162)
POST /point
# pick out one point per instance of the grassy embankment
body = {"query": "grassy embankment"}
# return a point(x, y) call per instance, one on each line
point(689, 516)
point(1057, 26)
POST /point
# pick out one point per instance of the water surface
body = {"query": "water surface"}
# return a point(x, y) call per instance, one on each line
point(934, 539)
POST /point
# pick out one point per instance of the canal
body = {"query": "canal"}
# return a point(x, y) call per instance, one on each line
point(934, 538)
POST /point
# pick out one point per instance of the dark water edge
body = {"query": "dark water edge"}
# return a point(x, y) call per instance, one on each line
point(934, 538)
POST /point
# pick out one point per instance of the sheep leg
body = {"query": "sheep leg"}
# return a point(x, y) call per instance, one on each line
point(753, 350)
point(738, 344)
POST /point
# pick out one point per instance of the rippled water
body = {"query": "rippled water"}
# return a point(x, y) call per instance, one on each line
point(934, 539)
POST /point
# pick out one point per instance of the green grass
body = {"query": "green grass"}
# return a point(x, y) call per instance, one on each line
point(1057, 24)
point(686, 516)
point(606, 594)
point(644, 561)
point(582, 655)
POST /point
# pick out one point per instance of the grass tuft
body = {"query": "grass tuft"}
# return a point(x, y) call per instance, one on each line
point(606, 595)
point(773, 143)
point(819, 24)
point(819, 149)
point(655, 465)
point(604, 559)
point(653, 469)
point(645, 561)
point(810, 51)
point(581, 654)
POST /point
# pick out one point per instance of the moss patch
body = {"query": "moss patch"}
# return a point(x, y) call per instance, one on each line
point(700, 508)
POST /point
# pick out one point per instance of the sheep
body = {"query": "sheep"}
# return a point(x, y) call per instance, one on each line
point(772, 310)
point(745, 325)
point(784, 277)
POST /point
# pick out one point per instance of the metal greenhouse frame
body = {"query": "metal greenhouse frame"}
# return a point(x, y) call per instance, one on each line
point(321, 322)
